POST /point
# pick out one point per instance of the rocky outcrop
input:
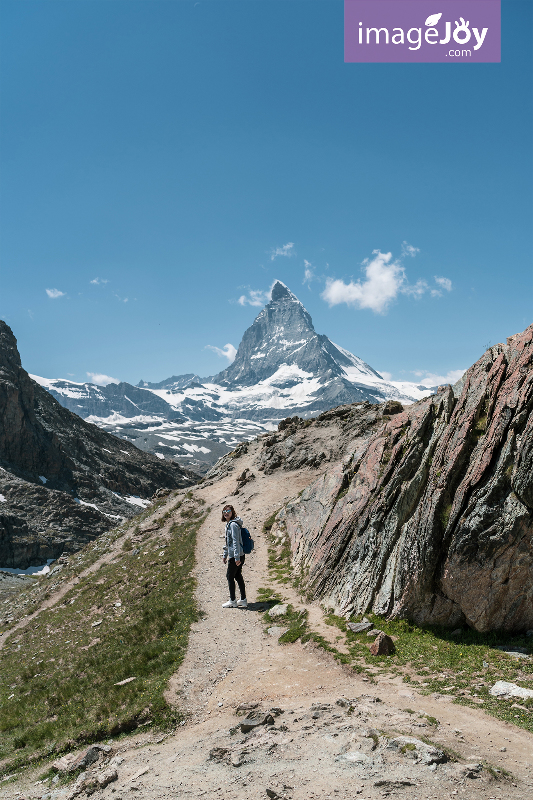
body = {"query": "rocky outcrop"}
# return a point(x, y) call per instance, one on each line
point(63, 481)
point(429, 514)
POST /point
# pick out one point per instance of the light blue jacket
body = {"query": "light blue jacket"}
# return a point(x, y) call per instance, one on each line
point(233, 547)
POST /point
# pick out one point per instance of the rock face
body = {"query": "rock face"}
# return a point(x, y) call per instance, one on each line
point(430, 513)
point(63, 481)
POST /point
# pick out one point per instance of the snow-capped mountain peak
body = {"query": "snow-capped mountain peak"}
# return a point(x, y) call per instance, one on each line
point(282, 367)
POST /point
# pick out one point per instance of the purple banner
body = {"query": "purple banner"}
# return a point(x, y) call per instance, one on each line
point(422, 31)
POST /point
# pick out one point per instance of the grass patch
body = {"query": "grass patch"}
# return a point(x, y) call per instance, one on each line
point(432, 660)
point(268, 523)
point(295, 621)
point(268, 595)
point(130, 618)
point(279, 562)
point(497, 773)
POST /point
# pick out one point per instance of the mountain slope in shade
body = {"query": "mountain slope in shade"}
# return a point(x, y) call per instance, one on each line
point(282, 368)
point(62, 480)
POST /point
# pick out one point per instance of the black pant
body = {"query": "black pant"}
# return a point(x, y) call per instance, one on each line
point(233, 574)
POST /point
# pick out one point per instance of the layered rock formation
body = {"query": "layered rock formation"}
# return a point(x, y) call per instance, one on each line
point(429, 513)
point(62, 480)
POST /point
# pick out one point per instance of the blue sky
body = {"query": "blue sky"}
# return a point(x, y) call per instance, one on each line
point(157, 155)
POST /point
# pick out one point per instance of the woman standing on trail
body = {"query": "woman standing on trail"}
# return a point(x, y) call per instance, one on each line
point(234, 557)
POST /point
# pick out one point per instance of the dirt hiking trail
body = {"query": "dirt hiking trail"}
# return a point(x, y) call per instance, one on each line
point(366, 746)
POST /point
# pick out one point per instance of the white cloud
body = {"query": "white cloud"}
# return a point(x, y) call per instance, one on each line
point(101, 380)
point(54, 293)
point(427, 378)
point(384, 279)
point(387, 376)
point(228, 351)
point(444, 283)
point(308, 272)
point(285, 250)
point(255, 297)
point(122, 299)
point(417, 290)
point(409, 250)
point(98, 281)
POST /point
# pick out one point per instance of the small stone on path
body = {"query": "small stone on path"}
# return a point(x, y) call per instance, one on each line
point(359, 627)
point(276, 630)
point(278, 611)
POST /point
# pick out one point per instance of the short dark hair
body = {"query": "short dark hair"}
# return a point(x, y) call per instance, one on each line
point(233, 514)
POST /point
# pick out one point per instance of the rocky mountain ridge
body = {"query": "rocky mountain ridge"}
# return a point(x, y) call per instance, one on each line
point(63, 480)
point(282, 367)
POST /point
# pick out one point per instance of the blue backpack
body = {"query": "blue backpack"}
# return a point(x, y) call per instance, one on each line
point(247, 541)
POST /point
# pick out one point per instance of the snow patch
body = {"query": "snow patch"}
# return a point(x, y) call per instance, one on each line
point(35, 571)
point(134, 501)
point(83, 503)
point(193, 448)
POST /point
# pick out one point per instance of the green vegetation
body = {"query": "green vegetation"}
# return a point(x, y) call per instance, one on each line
point(465, 667)
point(445, 515)
point(267, 525)
point(428, 658)
point(279, 562)
point(128, 619)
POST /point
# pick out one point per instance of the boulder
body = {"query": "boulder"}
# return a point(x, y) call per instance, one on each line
point(62, 764)
point(392, 407)
point(359, 627)
point(276, 631)
point(383, 646)
point(505, 689)
point(249, 724)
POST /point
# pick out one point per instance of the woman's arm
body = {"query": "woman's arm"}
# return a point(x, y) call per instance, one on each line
point(235, 532)
point(225, 549)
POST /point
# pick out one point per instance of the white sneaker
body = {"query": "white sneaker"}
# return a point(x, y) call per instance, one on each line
point(242, 603)
point(230, 604)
